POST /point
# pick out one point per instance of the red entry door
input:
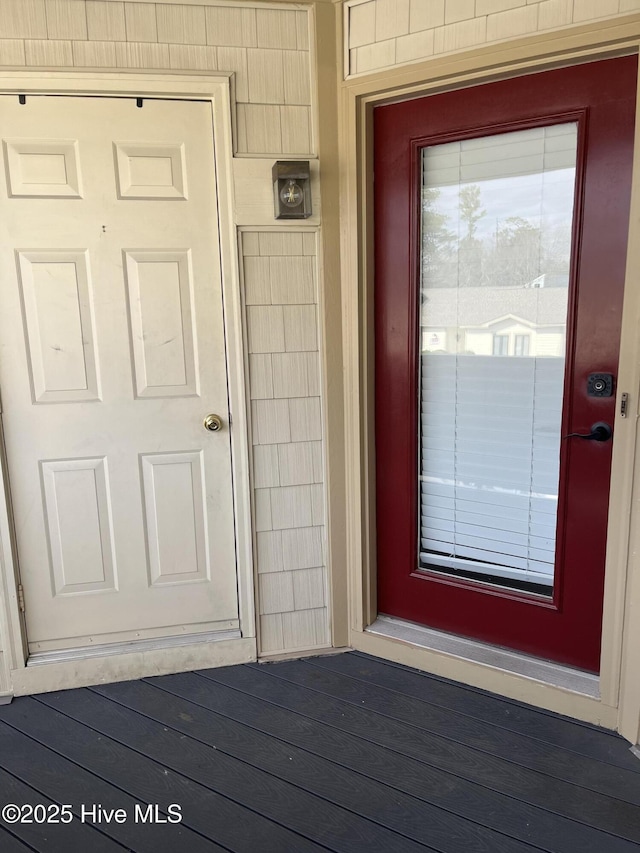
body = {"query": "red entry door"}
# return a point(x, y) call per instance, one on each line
point(501, 218)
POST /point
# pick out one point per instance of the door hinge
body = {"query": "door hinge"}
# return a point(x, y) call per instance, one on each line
point(20, 598)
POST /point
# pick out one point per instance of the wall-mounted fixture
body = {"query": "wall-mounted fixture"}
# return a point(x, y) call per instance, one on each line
point(292, 189)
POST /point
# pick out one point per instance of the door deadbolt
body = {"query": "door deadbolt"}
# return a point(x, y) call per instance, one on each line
point(600, 385)
point(213, 423)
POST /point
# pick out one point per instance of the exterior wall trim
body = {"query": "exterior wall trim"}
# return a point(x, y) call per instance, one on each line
point(267, 4)
point(14, 674)
point(619, 702)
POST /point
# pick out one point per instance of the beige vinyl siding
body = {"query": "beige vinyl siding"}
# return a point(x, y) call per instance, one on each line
point(281, 299)
point(381, 34)
point(267, 50)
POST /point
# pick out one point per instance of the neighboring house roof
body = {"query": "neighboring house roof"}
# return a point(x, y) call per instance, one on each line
point(478, 306)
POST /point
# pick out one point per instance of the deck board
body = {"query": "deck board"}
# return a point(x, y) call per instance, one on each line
point(307, 816)
point(37, 835)
point(65, 781)
point(280, 684)
point(427, 784)
point(519, 749)
point(10, 844)
point(361, 795)
point(343, 753)
point(215, 817)
point(486, 707)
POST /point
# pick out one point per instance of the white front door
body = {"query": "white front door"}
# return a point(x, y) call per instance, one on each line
point(112, 353)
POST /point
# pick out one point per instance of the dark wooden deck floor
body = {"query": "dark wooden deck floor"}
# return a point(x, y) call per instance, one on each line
point(342, 753)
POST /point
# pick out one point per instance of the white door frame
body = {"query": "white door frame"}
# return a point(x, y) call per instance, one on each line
point(16, 678)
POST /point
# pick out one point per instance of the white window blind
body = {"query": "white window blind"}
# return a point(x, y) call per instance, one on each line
point(490, 450)
point(495, 269)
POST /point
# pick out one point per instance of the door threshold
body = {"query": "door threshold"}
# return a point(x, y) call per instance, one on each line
point(547, 672)
point(110, 649)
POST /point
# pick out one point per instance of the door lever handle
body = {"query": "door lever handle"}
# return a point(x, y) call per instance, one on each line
point(600, 431)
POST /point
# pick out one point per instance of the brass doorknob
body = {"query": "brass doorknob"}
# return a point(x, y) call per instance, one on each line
point(213, 423)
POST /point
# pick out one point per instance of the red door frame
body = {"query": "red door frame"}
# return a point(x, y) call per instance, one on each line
point(601, 97)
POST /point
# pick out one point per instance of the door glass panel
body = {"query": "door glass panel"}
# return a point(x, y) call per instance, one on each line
point(495, 256)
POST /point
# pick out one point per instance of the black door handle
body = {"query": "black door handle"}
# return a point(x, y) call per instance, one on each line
point(600, 431)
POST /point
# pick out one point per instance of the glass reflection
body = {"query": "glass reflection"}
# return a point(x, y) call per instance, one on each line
point(495, 256)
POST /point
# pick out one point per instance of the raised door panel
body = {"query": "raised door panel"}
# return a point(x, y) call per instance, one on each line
point(176, 518)
point(43, 168)
point(163, 334)
point(59, 325)
point(77, 504)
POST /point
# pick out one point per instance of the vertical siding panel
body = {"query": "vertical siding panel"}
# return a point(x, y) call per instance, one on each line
point(362, 23)
point(587, 10)
point(141, 55)
point(305, 629)
point(23, 19)
point(460, 35)
point(94, 54)
point(517, 22)
point(50, 53)
point(66, 19)
point(266, 76)
point(297, 83)
point(12, 52)
point(270, 555)
point(276, 592)
point(262, 128)
point(181, 24)
point(265, 466)
point(290, 375)
point(140, 20)
point(300, 328)
point(392, 18)
point(277, 29)
point(261, 376)
point(270, 420)
point(227, 26)
point(306, 419)
point(296, 130)
point(459, 10)
point(425, 16)
point(555, 13)
point(302, 30)
point(290, 508)
point(271, 635)
point(308, 589)
point(193, 56)
point(263, 521)
point(105, 21)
